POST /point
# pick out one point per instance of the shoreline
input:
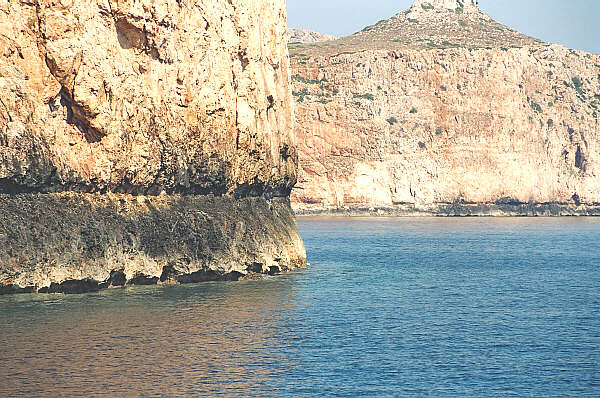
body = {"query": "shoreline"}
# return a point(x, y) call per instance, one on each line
point(457, 210)
point(77, 242)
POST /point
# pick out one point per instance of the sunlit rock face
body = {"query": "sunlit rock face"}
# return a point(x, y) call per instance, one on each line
point(447, 114)
point(140, 98)
point(145, 97)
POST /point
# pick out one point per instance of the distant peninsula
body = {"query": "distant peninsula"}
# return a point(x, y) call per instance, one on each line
point(440, 110)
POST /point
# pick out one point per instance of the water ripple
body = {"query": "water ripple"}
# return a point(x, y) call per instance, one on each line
point(389, 307)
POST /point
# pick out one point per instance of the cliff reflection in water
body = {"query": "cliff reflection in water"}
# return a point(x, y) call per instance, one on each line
point(210, 339)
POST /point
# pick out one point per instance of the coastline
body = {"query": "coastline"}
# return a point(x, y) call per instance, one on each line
point(553, 209)
point(76, 242)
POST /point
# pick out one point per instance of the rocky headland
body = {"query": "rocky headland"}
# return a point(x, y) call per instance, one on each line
point(440, 110)
point(296, 36)
point(144, 142)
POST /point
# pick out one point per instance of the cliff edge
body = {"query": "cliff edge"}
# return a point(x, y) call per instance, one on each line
point(144, 142)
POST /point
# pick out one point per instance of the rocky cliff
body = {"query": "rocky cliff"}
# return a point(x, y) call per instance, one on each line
point(147, 140)
point(405, 118)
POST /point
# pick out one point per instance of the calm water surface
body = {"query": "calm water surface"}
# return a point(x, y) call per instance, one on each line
point(389, 307)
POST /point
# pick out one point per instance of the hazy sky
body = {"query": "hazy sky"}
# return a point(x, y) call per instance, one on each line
point(572, 23)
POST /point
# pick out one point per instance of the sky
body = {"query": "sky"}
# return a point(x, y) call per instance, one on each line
point(572, 23)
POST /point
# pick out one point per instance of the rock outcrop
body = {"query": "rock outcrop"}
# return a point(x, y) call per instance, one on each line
point(458, 6)
point(306, 36)
point(142, 137)
point(505, 127)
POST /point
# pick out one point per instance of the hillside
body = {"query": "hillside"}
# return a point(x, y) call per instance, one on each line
point(383, 122)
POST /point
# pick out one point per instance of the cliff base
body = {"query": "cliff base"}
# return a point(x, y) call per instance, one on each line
point(74, 243)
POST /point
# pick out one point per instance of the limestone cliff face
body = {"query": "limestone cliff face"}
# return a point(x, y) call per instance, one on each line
point(424, 129)
point(143, 98)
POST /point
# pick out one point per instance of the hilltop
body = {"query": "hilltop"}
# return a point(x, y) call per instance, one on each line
point(434, 24)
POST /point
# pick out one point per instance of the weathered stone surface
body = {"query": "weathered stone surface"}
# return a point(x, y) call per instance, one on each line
point(142, 98)
point(452, 5)
point(501, 208)
point(426, 130)
point(73, 242)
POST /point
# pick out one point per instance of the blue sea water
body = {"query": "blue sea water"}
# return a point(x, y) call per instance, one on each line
point(390, 307)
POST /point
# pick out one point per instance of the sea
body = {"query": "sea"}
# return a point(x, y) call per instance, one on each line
point(389, 307)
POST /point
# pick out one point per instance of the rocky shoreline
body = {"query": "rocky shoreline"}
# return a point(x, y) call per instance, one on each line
point(74, 243)
point(458, 210)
